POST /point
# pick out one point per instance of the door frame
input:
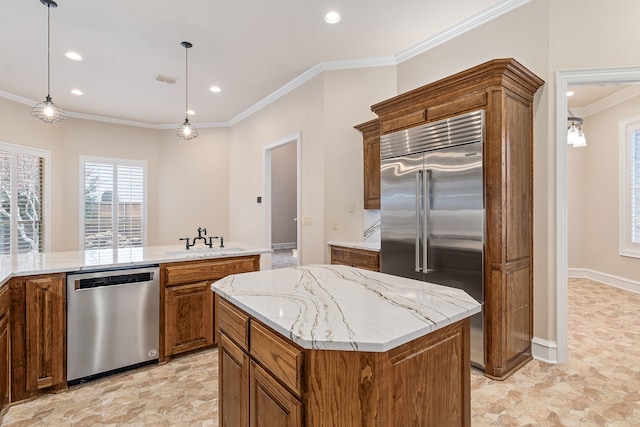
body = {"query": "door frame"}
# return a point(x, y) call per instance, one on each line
point(565, 78)
point(266, 190)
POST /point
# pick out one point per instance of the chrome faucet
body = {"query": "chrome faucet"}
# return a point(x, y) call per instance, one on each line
point(209, 243)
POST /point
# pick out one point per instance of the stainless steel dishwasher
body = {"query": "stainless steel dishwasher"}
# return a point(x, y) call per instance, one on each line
point(113, 321)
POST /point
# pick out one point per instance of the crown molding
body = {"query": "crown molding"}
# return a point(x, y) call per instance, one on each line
point(457, 30)
point(608, 101)
point(308, 75)
point(449, 34)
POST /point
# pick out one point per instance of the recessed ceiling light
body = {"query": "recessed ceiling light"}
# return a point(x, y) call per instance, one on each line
point(570, 93)
point(215, 89)
point(77, 92)
point(191, 112)
point(332, 17)
point(73, 55)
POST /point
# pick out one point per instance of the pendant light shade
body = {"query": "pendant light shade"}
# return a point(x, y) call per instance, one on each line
point(186, 130)
point(47, 111)
point(575, 136)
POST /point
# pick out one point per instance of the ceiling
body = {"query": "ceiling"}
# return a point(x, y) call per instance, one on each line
point(250, 49)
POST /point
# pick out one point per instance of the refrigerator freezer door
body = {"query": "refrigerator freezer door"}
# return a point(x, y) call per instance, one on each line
point(401, 211)
point(455, 224)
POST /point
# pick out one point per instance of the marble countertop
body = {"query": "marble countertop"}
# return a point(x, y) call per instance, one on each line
point(368, 246)
point(335, 307)
point(96, 259)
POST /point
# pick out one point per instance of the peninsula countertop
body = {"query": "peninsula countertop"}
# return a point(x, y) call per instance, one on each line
point(335, 307)
point(94, 259)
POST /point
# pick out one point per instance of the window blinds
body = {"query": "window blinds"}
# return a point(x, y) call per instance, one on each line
point(21, 201)
point(114, 211)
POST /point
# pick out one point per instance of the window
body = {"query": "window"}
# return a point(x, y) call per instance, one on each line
point(113, 207)
point(23, 199)
point(630, 188)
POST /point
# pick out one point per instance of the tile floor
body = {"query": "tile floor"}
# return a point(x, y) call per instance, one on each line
point(600, 386)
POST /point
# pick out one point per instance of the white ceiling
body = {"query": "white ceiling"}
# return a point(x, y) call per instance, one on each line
point(250, 49)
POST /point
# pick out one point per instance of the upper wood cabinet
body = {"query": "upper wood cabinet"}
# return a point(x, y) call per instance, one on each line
point(371, 156)
point(187, 318)
point(38, 326)
point(505, 90)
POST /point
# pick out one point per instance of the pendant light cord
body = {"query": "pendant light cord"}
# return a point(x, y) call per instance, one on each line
point(186, 73)
point(48, 51)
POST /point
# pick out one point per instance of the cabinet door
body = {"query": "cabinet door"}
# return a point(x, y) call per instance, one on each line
point(188, 317)
point(372, 171)
point(271, 405)
point(45, 328)
point(233, 393)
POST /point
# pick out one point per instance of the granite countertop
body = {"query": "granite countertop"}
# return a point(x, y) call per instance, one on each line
point(335, 307)
point(96, 259)
point(368, 246)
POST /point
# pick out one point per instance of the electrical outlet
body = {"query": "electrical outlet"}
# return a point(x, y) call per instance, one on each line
point(334, 225)
point(351, 207)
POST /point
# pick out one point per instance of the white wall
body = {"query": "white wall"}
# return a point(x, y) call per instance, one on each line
point(593, 202)
point(324, 111)
point(188, 182)
point(192, 185)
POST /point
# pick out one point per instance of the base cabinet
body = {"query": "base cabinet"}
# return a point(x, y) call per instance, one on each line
point(38, 325)
point(187, 316)
point(425, 382)
point(360, 258)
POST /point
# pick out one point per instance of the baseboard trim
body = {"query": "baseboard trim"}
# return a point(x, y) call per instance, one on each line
point(289, 245)
point(546, 351)
point(607, 279)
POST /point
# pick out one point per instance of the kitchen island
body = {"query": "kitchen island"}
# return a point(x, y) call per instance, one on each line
point(340, 346)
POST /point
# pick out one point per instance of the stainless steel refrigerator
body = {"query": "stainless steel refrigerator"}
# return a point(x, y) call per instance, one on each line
point(432, 208)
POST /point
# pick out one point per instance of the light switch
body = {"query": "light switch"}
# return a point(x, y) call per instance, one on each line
point(306, 220)
point(351, 207)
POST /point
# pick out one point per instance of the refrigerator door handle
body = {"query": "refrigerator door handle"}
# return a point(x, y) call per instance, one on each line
point(426, 194)
point(418, 220)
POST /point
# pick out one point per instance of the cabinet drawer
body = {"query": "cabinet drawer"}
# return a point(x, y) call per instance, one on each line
point(194, 271)
point(234, 323)
point(283, 359)
point(360, 258)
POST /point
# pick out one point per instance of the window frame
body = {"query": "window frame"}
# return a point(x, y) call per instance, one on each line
point(114, 162)
point(626, 129)
point(14, 150)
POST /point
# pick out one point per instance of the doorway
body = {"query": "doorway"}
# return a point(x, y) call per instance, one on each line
point(564, 79)
point(281, 203)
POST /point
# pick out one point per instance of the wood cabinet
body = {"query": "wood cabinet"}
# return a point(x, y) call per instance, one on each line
point(38, 326)
point(187, 319)
point(424, 382)
point(360, 258)
point(371, 156)
point(4, 348)
point(505, 90)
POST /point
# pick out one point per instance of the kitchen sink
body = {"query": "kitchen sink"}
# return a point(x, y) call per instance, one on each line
point(205, 251)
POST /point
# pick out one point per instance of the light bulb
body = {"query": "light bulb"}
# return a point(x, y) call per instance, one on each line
point(48, 111)
point(572, 135)
point(187, 130)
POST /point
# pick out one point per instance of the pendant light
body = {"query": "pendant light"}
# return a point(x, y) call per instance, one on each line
point(575, 136)
point(186, 130)
point(47, 111)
